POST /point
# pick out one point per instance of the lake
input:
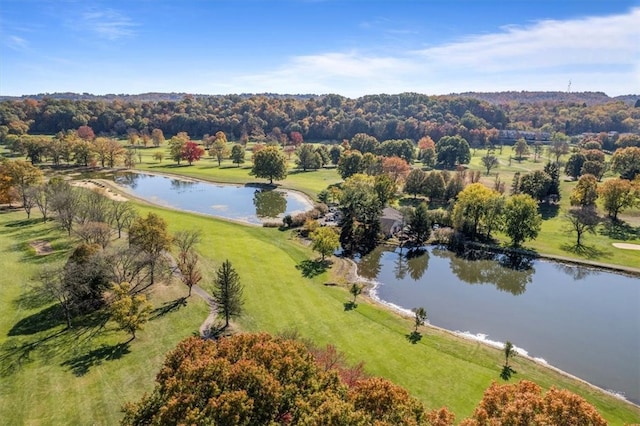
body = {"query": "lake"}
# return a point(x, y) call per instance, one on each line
point(250, 204)
point(583, 321)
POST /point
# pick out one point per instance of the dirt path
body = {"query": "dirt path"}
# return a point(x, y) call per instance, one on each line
point(205, 327)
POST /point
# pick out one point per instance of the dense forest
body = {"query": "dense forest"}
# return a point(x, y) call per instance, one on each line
point(316, 118)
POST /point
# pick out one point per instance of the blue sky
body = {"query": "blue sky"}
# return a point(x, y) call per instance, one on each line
point(352, 48)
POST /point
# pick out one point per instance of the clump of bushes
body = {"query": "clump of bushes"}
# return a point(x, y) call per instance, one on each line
point(299, 219)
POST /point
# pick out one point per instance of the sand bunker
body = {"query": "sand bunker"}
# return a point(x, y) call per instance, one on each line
point(99, 187)
point(627, 246)
point(41, 247)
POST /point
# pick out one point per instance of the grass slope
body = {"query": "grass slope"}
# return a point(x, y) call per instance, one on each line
point(77, 377)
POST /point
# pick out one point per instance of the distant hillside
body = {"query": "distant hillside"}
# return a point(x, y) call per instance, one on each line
point(590, 98)
point(143, 97)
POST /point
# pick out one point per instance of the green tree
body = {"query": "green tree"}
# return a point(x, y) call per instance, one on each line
point(355, 291)
point(617, 195)
point(131, 312)
point(419, 318)
point(269, 163)
point(227, 292)
point(573, 168)
point(559, 145)
point(385, 187)
point(434, 186)
point(536, 184)
point(361, 209)
point(414, 184)
point(582, 220)
point(521, 148)
point(626, 161)
point(325, 240)
point(335, 152)
point(308, 158)
point(585, 193)
point(509, 352)
point(364, 143)
point(521, 219)
point(452, 150)
point(490, 161)
point(237, 154)
point(176, 145)
point(350, 164)
point(149, 235)
point(419, 225)
point(219, 149)
point(471, 208)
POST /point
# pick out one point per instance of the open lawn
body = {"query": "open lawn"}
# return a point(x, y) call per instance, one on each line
point(310, 182)
point(83, 376)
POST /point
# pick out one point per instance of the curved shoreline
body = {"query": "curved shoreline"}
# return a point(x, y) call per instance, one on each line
point(353, 276)
point(128, 193)
point(371, 285)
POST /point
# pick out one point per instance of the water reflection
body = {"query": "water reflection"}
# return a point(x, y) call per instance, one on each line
point(245, 203)
point(269, 203)
point(369, 265)
point(575, 272)
point(180, 185)
point(508, 273)
point(417, 263)
point(550, 313)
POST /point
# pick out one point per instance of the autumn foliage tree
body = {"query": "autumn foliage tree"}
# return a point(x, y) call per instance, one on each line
point(259, 379)
point(524, 404)
point(191, 152)
point(617, 195)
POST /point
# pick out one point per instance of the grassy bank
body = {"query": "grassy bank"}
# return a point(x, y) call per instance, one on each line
point(84, 375)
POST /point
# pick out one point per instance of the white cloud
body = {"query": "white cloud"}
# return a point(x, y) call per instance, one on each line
point(596, 53)
point(108, 23)
point(17, 43)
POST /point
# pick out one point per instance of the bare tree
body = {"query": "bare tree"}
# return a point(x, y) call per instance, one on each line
point(121, 214)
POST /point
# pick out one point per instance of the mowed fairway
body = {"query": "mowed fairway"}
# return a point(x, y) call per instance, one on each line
point(83, 376)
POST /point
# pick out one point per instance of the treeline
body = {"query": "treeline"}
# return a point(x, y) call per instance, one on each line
point(329, 117)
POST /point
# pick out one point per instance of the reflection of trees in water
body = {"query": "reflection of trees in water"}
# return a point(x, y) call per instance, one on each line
point(179, 185)
point(127, 179)
point(417, 263)
point(511, 273)
point(369, 265)
point(269, 203)
point(400, 266)
point(575, 272)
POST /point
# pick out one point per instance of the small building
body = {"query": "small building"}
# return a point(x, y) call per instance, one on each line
point(391, 222)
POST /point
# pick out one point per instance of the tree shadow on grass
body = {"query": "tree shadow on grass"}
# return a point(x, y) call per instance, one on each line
point(549, 210)
point(414, 337)
point(168, 307)
point(46, 319)
point(350, 306)
point(588, 252)
point(51, 342)
point(80, 365)
point(32, 299)
point(619, 230)
point(311, 268)
point(507, 372)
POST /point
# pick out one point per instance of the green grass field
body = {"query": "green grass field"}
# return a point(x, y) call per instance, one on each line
point(83, 376)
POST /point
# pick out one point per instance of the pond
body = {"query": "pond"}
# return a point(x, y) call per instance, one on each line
point(251, 204)
point(583, 321)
